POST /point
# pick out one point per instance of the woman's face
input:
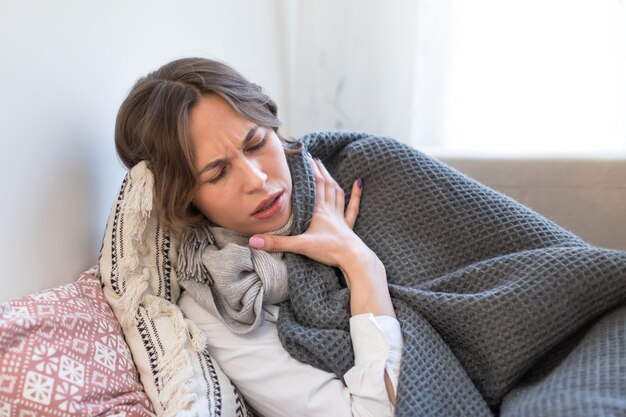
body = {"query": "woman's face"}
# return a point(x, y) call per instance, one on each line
point(245, 183)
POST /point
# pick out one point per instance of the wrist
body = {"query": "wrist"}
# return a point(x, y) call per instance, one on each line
point(360, 261)
point(367, 281)
point(362, 268)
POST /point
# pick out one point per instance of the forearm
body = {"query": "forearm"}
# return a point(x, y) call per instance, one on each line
point(367, 280)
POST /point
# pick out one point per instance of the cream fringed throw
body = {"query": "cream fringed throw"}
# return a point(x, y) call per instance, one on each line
point(137, 267)
point(483, 288)
point(228, 278)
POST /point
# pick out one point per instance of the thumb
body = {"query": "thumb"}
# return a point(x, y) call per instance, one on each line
point(273, 243)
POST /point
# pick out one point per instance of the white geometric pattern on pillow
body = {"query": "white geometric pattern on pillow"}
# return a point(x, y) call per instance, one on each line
point(62, 354)
point(137, 266)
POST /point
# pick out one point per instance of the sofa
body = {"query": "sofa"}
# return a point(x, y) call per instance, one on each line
point(63, 352)
point(587, 196)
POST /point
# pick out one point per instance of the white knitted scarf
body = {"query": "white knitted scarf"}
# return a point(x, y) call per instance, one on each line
point(228, 278)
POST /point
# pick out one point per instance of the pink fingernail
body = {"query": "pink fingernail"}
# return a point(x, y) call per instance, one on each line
point(256, 242)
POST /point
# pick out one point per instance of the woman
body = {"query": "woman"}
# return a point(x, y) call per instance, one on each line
point(220, 167)
point(483, 287)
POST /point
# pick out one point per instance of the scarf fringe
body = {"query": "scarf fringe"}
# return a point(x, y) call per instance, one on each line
point(193, 243)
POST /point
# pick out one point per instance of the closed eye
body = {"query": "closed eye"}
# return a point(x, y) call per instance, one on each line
point(218, 177)
point(257, 146)
point(222, 172)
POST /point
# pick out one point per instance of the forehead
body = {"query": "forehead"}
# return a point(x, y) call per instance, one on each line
point(212, 118)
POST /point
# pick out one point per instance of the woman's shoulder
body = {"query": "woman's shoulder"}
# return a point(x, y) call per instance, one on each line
point(328, 143)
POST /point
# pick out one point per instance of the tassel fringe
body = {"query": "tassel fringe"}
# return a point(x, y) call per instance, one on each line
point(176, 374)
point(138, 206)
point(131, 298)
point(178, 387)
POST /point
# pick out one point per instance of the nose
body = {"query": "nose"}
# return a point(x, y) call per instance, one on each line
point(254, 177)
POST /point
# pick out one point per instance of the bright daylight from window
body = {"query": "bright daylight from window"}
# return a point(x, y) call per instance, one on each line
point(535, 76)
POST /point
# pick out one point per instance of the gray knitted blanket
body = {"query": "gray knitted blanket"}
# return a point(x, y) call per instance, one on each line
point(502, 311)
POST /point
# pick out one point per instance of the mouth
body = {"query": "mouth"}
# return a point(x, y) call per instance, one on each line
point(270, 206)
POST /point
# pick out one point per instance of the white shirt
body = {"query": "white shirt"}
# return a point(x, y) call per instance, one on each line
point(275, 384)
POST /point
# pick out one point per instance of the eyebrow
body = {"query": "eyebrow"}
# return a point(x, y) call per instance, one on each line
point(220, 161)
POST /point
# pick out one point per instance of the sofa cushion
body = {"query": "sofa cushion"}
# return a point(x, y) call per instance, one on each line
point(62, 353)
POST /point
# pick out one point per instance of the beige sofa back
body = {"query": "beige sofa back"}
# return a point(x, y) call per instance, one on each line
point(585, 196)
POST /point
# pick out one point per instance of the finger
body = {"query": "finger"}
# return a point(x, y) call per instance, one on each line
point(273, 243)
point(329, 183)
point(320, 192)
point(352, 211)
point(340, 205)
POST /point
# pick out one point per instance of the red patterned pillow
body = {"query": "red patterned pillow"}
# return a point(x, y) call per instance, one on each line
point(62, 353)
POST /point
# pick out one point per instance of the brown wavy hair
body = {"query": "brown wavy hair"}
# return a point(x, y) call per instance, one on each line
point(152, 125)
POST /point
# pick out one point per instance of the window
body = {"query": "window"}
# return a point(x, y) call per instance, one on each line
point(532, 76)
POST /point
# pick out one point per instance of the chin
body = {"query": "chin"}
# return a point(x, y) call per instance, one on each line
point(276, 223)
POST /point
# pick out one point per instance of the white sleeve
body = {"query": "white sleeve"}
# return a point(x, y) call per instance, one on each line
point(377, 343)
point(275, 384)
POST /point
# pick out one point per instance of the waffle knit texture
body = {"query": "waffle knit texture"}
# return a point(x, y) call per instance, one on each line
point(484, 288)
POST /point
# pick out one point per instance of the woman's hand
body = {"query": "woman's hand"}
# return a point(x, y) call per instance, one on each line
point(331, 241)
point(329, 238)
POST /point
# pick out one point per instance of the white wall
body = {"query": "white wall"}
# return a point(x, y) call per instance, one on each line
point(351, 65)
point(65, 68)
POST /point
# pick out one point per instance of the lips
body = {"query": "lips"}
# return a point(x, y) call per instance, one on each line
point(267, 203)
